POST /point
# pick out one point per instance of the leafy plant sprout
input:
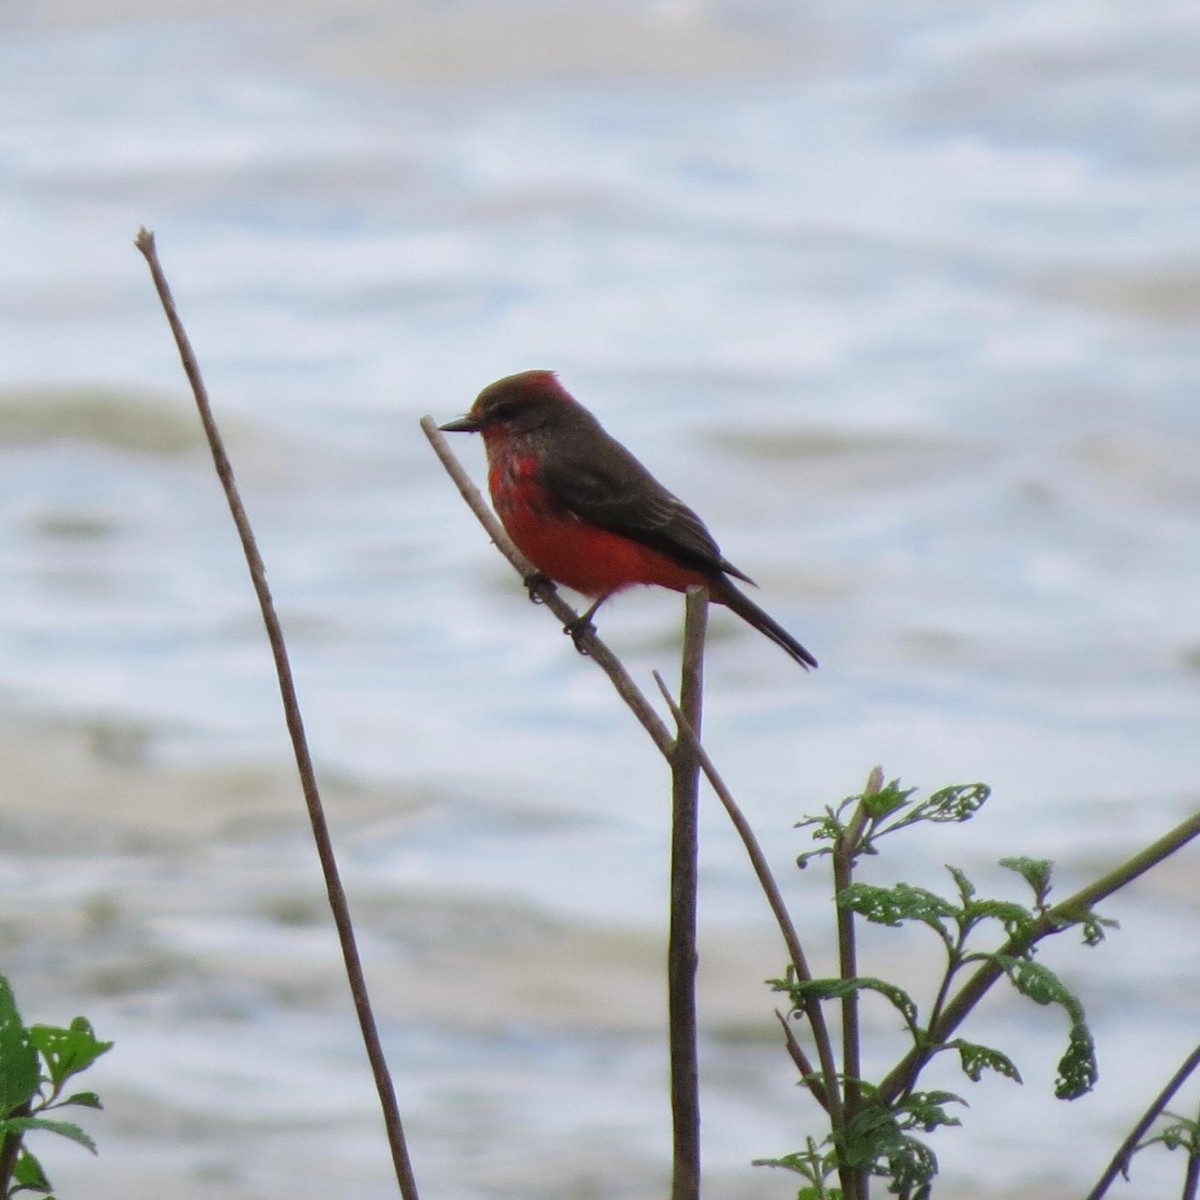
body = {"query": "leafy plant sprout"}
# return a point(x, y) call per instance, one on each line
point(874, 1132)
point(36, 1063)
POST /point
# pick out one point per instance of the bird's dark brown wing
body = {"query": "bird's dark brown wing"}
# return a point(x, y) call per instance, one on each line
point(611, 489)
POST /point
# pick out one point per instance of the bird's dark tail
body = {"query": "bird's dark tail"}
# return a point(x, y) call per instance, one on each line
point(723, 592)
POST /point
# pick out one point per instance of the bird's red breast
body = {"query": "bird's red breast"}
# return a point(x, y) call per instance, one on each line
point(574, 552)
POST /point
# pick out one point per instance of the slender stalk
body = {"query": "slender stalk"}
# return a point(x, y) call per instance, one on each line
point(10, 1148)
point(295, 725)
point(824, 1089)
point(681, 951)
point(843, 869)
point(1119, 1165)
point(1191, 1176)
point(797, 1055)
point(1054, 920)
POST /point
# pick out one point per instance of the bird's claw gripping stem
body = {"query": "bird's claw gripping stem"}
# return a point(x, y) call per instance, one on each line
point(534, 580)
point(578, 629)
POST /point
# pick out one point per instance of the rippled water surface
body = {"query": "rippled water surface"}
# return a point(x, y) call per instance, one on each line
point(905, 302)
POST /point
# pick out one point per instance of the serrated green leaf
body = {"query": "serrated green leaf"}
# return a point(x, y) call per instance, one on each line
point(1182, 1133)
point(1037, 981)
point(966, 889)
point(957, 803)
point(975, 1059)
point(812, 1165)
point(67, 1051)
point(897, 904)
point(20, 1071)
point(1035, 872)
point(927, 1110)
point(28, 1174)
point(1091, 923)
point(83, 1099)
point(1077, 1069)
point(887, 800)
point(910, 1167)
point(1018, 922)
point(67, 1129)
point(876, 1138)
point(801, 991)
point(8, 1005)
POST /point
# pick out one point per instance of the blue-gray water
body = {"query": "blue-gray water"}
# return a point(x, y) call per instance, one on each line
point(905, 302)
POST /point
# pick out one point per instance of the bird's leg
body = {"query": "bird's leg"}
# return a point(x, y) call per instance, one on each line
point(577, 629)
point(533, 581)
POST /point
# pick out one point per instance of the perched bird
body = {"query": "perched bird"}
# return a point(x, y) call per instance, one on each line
point(586, 513)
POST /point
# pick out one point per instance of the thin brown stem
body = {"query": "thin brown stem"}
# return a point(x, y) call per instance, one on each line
point(797, 1055)
point(10, 1148)
point(844, 852)
point(1191, 1176)
point(1119, 1165)
point(681, 951)
point(830, 1098)
point(295, 725)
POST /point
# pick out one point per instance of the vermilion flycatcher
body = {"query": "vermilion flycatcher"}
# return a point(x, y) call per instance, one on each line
point(586, 513)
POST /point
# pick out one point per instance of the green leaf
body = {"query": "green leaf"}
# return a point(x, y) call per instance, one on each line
point(83, 1099)
point(897, 904)
point(887, 800)
point(1019, 923)
point(1077, 1069)
point(958, 803)
point(67, 1051)
point(927, 1110)
point(801, 991)
point(910, 1167)
point(878, 1137)
point(8, 1005)
point(1091, 923)
point(1035, 872)
point(66, 1128)
point(975, 1059)
point(812, 1165)
point(1182, 1134)
point(824, 829)
point(29, 1176)
point(20, 1071)
point(966, 889)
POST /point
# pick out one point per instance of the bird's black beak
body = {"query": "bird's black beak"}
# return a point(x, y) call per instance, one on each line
point(462, 425)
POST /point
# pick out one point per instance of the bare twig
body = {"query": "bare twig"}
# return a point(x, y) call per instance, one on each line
point(825, 1088)
point(1120, 1161)
point(295, 725)
point(796, 1052)
point(547, 593)
point(681, 948)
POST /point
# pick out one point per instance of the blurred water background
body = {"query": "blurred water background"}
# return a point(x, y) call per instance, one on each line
point(903, 298)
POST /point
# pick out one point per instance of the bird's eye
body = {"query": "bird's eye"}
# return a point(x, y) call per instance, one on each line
point(502, 410)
